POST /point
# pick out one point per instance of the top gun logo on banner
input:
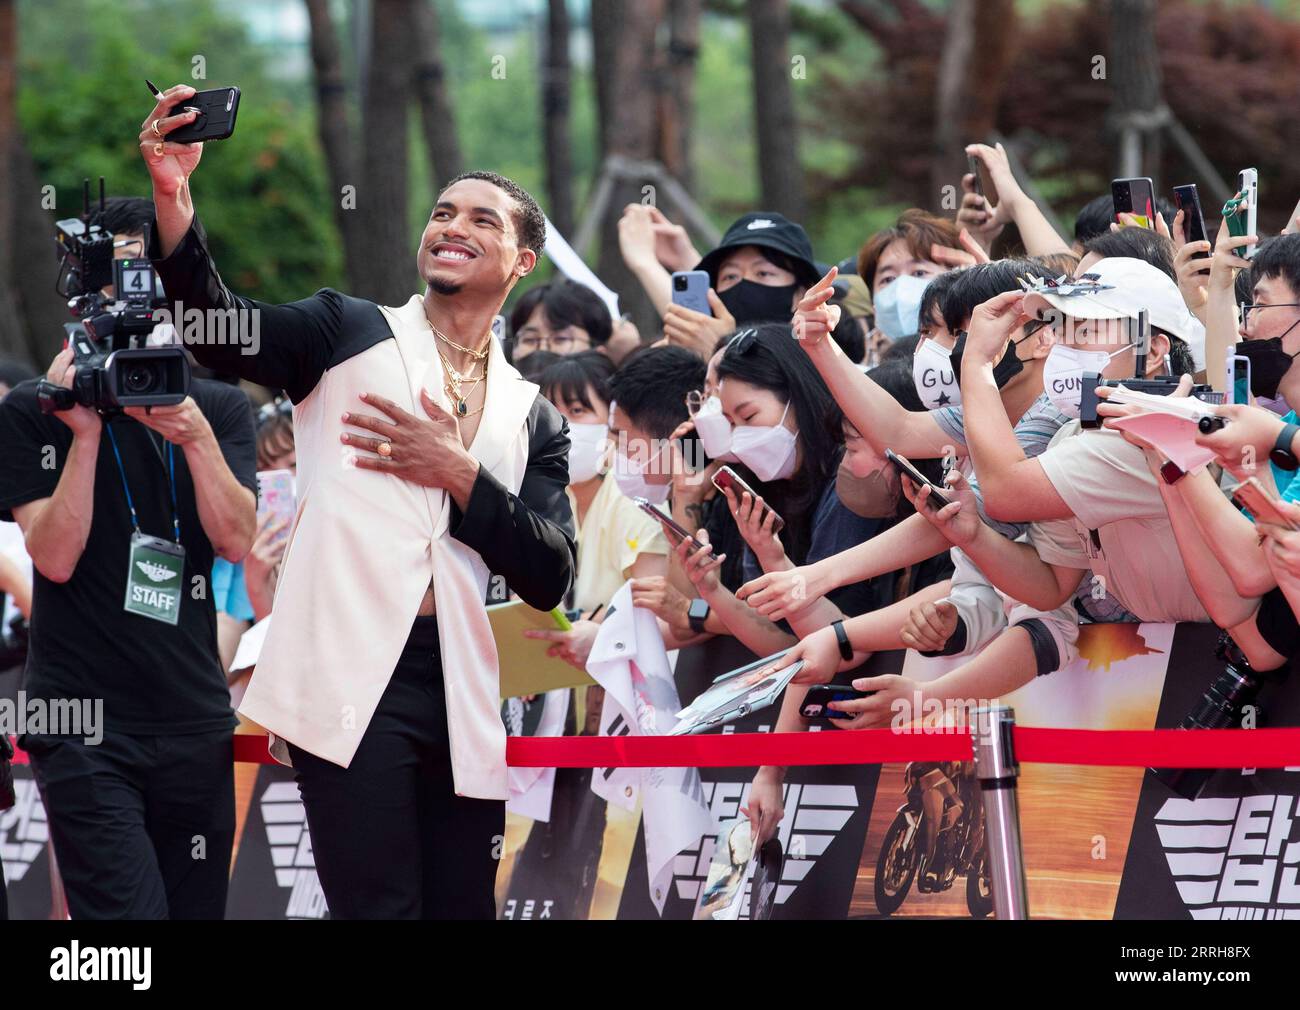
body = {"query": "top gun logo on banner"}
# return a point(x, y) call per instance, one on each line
point(275, 874)
point(1234, 851)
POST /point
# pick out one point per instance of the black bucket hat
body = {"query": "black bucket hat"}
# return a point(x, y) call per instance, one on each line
point(767, 230)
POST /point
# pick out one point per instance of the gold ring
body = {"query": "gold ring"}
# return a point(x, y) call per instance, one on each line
point(384, 449)
point(158, 149)
point(156, 132)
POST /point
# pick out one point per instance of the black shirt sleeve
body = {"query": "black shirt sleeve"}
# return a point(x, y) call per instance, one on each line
point(527, 538)
point(32, 449)
point(281, 346)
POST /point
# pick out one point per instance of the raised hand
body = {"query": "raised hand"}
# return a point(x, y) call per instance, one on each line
point(813, 318)
point(170, 163)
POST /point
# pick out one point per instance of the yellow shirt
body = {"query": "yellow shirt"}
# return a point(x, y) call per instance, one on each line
point(611, 536)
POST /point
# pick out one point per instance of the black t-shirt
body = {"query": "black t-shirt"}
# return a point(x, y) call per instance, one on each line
point(154, 678)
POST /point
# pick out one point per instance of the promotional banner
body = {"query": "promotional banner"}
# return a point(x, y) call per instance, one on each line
point(25, 850)
point(1075, 821)
point(1098, 841)
point(1233, 852)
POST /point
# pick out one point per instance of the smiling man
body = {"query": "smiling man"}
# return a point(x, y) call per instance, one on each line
point(425, 463)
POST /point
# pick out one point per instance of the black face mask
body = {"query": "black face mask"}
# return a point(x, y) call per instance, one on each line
point(1007, 368)
point(751, 302)
point(1268, 363)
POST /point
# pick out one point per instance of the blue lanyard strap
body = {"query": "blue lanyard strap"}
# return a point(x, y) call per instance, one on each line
point(171, 474)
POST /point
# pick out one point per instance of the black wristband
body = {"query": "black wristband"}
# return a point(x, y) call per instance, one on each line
point(697, 613)
point(842, 636)
point(1281, 455)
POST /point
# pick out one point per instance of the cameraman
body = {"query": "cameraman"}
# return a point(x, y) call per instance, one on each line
point(141, 803)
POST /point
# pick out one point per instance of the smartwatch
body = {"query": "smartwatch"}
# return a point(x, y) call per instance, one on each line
point(842, 636)
point(1281, 455)
point(1172, 472)
point(697, 613)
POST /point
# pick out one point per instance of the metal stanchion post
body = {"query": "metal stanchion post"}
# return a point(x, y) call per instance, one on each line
point(996, 768)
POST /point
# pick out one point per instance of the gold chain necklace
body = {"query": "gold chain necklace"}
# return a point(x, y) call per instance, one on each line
point(454, 372)
point(476, 355)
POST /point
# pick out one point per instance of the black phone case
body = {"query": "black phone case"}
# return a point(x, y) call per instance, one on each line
point(1188, 201)
point(214, 121)
point(1121, 195)
point(823, 694)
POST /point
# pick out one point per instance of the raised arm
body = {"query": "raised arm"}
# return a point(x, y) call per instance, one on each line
point(778, 595)
point(883, 421)
point(281, 346)
point(1014, 206)
point(1015, 487)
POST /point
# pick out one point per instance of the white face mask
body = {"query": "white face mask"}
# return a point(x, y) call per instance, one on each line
point(714, 430)
point(587, 446)
point(932, 374)
point(630, 478)
point(1063, 374)
point(767, 449)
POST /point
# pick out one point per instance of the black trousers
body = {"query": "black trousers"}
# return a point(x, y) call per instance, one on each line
point(142, 825)
point(391, 838)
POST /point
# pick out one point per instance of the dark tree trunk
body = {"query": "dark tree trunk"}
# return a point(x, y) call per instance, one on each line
point(972, 69)
point(13, 339)
point(555, 118)
point(780, 174)
point(436, 113)
point(335, 135)
point(41, 314)
point(677, 118)
point(388, 255)
point(624, 31)
point(1135, 87)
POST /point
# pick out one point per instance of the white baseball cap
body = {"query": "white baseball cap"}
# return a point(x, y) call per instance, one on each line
point(1125, 286)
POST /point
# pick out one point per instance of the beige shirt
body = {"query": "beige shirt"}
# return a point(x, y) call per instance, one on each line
point(1107, 485)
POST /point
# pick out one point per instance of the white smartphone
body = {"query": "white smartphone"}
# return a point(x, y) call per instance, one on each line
point(1238, 378)
point(276, 495)
point(1248, 183)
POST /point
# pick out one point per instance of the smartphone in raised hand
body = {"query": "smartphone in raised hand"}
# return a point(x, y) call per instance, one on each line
point(690, 290)
point(215, 121)
point(1243, 219)
point(1188, 201)
point(1135, 196)
point(983, 180)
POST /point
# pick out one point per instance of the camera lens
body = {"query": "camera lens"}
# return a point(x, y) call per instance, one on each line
point(139, 379)
point(679, 283)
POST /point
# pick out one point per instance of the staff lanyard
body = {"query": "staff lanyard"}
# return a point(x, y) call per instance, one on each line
point(171, 474)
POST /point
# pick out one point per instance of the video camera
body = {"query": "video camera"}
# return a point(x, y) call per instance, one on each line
point(111, 372)
point(1222, 706)
point(1161, 385)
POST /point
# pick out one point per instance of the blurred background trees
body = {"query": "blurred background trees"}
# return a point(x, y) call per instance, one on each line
point(838, 112)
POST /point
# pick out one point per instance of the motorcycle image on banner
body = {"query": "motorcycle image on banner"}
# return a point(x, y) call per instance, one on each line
point(949, 792)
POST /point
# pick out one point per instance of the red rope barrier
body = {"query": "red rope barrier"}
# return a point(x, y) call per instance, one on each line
point(1163, 748)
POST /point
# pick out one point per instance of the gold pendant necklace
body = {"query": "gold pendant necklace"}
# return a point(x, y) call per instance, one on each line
point(454, 391)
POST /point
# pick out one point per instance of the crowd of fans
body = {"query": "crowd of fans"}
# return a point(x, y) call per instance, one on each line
point(803, 375)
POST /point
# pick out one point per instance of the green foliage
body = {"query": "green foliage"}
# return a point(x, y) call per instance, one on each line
point(261, 194)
